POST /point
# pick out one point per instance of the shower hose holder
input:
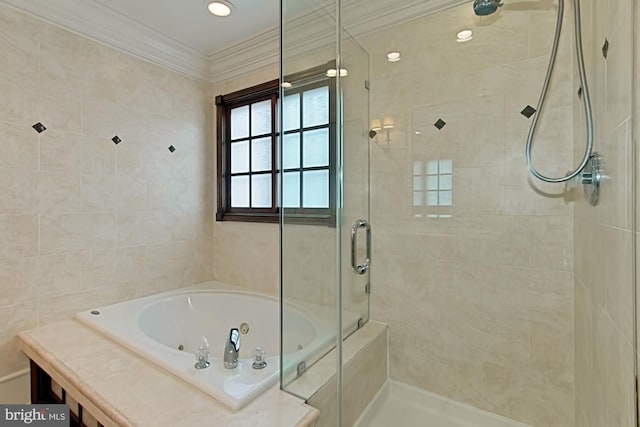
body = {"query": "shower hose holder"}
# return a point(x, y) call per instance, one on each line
point(590, 178)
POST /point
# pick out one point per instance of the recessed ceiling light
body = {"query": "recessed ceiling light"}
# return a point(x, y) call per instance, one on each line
point(286, 84)
point(393, 56)
point(418, 132)
point(220, 8)
point(465, 36)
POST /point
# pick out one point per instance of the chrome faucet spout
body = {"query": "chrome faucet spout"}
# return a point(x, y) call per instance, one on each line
point(231, 349)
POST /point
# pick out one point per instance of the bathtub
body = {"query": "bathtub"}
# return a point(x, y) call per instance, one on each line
point(168, 328)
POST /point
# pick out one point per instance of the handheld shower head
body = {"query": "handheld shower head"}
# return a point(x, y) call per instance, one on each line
point(486, 7)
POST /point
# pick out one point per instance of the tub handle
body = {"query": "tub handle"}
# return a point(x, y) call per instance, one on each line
point(364, 267)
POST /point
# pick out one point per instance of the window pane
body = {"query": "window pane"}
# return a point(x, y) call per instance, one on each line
point(446, 198)
point(291, 151)
point(445, 182)
point(315, 150)
point(432, 198)
point(291, 190)
point(446, 166)
point(240, 191)
point(418, 168)
point(418, 183)
point(261, 191)
point(432, 167)
point(261, 117)
point(418, 198)
point(432, 182)
point(240, 122)
point(261, 154)
point(315, 107)
point(291, 112)
point(315, 189)
point(240, 157)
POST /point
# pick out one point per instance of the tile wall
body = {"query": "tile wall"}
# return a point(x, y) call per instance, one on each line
point(85, 222)
point(604, 247)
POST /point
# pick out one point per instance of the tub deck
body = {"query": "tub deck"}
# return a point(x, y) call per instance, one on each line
point(120, 388)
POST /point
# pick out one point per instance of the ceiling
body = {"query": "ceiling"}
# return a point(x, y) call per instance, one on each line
point(189, 23)
point(183, 36)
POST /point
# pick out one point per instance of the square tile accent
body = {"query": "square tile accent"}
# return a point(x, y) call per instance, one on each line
point(440, 124)
point(605, 48)
point(39, 127)
point(528, 111)
point(116, 140)
point(172, 148)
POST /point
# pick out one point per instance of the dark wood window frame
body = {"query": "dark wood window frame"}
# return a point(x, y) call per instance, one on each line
point(303, 81)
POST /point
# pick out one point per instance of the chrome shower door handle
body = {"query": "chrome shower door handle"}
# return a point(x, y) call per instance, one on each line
point(364, 267)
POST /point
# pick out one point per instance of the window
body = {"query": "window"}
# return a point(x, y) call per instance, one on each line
point(433, 187)
point(247, 137)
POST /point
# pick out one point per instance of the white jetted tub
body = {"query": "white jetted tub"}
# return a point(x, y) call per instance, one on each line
point(169, 328)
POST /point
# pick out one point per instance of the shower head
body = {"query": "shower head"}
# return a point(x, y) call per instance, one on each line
point(486, 7)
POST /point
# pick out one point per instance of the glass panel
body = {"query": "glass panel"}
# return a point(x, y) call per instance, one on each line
point(446, 198)
point(418, 183)
point(291, 190)
point(239, 191)
point(240, 157)
point(418, 198)
point(315, 107)
point(315, 148)
point(432, 182)
point(261, 118)
point(240, 122)
point(291, 112)
point(445, 182)
point(432, 167)
point(261, 191)
point(261, 154)
point(291, 151)
point(432, 198)
point(446, 166)
point(315, 189)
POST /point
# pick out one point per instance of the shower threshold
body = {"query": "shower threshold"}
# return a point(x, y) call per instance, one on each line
point(402, 404)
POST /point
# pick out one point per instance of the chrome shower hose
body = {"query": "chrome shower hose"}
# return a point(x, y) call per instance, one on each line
point(543, 95)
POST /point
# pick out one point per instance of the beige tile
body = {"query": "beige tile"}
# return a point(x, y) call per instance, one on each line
point(64, 307)
point(99, 268)
point(74, 232)
point(106, 193)
point(58, 192)
point(57, 274)
point(61, 151)
point(18, 192)
point(59, 110)
point(20, 147)
point(18, 103)
point(19, 45)
point(19, 234)
point(15, 318)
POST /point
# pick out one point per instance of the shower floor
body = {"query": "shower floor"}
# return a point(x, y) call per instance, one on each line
point(399, 404)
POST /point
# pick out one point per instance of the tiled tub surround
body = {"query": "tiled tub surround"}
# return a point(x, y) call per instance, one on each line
point(121, 389)
point(83, 221)
point(478, 295)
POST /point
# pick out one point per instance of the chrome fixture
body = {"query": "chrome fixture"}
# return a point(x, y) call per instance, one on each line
point(259, 358)
point(486, 7)
point(231, 349)
point(590, 179)
point(202, 357)
point(364, 267)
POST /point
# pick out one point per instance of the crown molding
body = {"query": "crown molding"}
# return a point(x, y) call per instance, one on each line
point(309, 34)
point(102, 24)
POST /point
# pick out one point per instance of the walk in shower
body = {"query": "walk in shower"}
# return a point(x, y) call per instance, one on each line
point(502, 292)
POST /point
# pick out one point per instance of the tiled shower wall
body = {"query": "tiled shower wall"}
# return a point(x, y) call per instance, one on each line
point(604, 282)
point(85, 222)
point(478, 292)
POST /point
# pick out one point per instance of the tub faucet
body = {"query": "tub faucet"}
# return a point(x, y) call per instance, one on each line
point(231, 349)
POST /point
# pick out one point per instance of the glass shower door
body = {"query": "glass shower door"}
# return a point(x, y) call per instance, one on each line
point(324, 156)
